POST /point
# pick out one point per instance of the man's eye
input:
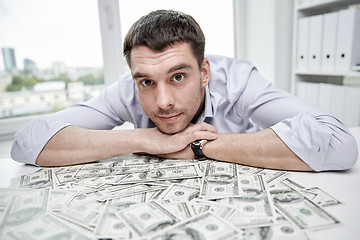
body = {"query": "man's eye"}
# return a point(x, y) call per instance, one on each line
point(146, 83)
point(178, 77)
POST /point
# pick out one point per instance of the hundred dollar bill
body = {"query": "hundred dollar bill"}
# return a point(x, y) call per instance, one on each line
point(205, 226)
point(299, 209)
point(175, 162)
point(82, 198)
point(315, 194)
point(220, 180)
point(110, 226)
point(286, 230)
point(24, 207)
point(137, 160)
point(46, 227)
point(320, 197)
point(101, 169)
point(192, 182)
point(89, 183)
point(269, 175)
point(89, 173)
point(113, 189)
point(126, 191)
point(60, 198)
point(39, 179)
point(166, 173)
point(6, 195)
point(111, 163)
point(2, 213)
point(147, 219)
point(82, 215)
point(182, 210)
point(292, 184)
point(179, 193)
point(282, 230)
point(201, 205)
point(71, 168)
point(254, 207)
point(111, 179)
point(64, 177)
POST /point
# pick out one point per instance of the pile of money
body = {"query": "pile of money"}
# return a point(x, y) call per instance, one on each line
point(144, 197)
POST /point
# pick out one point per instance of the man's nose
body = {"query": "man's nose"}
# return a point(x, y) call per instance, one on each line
point(164, 97)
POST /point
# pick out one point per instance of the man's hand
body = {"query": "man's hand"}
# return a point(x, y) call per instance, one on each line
point(176, 145)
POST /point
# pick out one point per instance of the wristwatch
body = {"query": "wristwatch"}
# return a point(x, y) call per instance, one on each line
point(196, 147)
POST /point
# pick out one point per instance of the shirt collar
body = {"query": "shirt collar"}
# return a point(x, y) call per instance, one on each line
point(208, 109)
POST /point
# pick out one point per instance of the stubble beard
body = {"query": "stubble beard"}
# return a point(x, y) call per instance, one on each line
point(172, 128)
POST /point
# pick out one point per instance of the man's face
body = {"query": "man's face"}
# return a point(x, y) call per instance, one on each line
point(170, 85)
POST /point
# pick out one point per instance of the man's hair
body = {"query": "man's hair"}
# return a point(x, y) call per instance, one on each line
point(162, 28)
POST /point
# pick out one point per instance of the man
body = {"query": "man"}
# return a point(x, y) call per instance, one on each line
point(175, 96)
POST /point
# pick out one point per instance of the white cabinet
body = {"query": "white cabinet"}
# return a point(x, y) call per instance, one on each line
point(326, 49)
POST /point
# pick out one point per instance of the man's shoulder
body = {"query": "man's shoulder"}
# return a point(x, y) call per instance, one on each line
point(219, 61)
point(126, 89)
point(229, 76)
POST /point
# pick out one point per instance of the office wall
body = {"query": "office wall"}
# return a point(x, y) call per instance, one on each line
point(264, 37)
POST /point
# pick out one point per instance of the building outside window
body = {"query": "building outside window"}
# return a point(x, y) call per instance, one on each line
point(47, 47)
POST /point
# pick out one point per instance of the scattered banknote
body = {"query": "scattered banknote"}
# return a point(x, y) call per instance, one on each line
point(179, 193)
point(282, 230)
point(145, 197)
point(220, 180)
point(204, 226)
point(254, 206)
point(46, 227)
point(147, 219)
point(319, 197)
point(24, 207)
point(297, 207)
point(39, 179)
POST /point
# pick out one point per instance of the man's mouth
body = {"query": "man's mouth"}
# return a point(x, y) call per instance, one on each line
point(169, 118)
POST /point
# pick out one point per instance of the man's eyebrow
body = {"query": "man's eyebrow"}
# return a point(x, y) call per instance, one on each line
point(179, 67)
point(173, 69)
point(139, 75)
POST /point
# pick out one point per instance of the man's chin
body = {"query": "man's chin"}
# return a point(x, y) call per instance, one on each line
point(170, 130)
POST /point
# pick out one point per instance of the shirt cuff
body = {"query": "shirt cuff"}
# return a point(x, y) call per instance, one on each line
point(30, 140)
point(306, 137)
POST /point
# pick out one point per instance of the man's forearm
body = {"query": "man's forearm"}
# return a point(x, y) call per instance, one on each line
point(260, 149)
point(75, 145)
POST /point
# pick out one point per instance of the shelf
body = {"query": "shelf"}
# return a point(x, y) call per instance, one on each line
point(328, 73)
point(325, 4)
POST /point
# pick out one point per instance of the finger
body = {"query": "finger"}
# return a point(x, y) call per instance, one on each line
point(204, 135)
point(208, 127)
point(202, 127)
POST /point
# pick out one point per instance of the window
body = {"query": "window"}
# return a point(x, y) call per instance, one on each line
point(45, 46)
point(48, 43)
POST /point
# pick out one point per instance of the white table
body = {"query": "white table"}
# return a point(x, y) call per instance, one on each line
point(343, 185)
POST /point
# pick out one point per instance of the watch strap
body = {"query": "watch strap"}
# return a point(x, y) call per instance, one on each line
point(197, 147)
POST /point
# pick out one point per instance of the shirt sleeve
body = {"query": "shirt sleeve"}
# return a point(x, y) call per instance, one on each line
point(319, 139)
point(102, 112)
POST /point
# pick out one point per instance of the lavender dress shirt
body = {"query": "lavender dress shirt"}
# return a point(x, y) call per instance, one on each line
point(238, 100)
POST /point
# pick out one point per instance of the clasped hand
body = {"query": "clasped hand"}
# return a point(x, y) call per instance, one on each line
point(176, 145)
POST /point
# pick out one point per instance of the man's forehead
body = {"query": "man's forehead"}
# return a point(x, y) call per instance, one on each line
point(144, 59)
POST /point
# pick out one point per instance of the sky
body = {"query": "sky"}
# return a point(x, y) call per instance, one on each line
point(47, 31)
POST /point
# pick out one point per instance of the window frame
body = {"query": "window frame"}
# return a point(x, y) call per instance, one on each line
point(113, 62)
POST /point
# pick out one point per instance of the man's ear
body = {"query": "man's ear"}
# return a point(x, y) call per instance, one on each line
point(205, 72)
